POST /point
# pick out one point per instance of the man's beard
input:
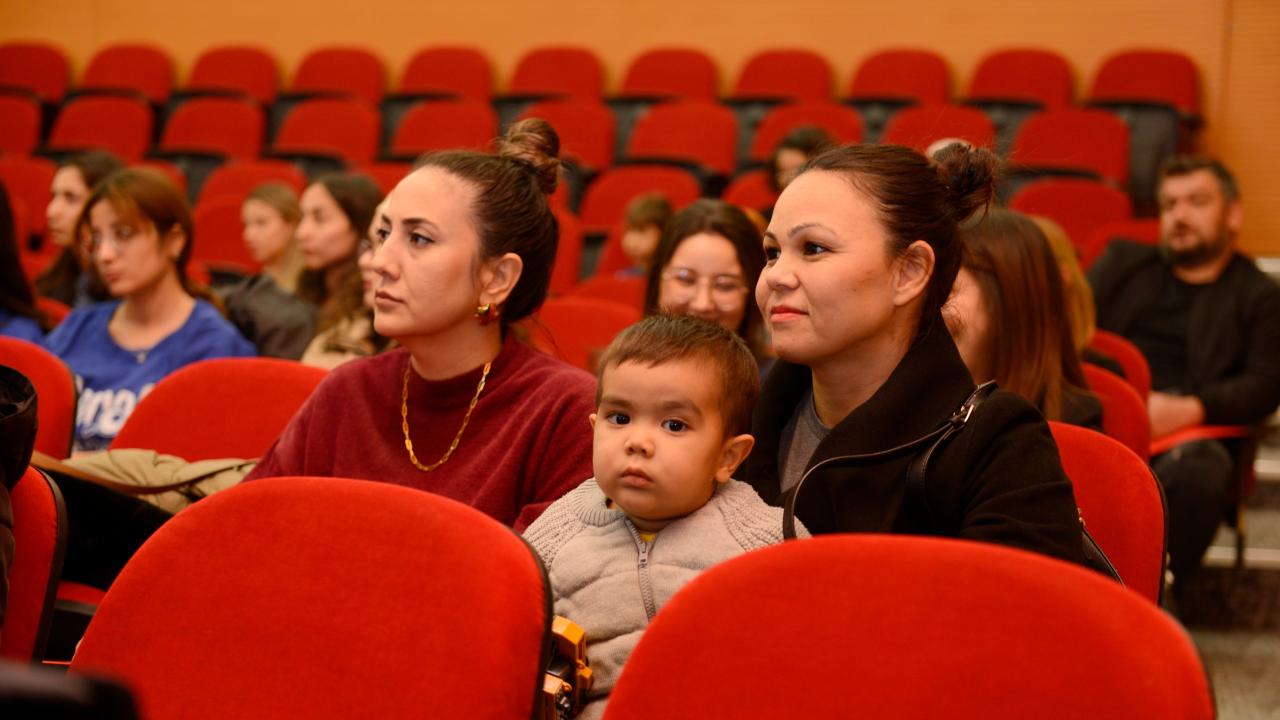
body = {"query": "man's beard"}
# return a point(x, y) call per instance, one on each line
point(1203, 252)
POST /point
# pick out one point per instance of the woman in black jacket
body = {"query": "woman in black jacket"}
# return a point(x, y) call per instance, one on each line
point(861, 255)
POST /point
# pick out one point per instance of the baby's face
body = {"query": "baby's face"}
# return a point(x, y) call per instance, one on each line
point(659, 446)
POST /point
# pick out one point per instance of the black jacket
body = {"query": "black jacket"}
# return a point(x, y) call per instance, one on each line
point(998, 480)
point(17, 438)
point(1233, 343)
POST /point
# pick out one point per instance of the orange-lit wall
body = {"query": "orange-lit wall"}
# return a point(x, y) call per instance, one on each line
point(1235, 42)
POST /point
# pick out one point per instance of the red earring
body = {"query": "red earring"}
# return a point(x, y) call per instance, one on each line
point(487, 313)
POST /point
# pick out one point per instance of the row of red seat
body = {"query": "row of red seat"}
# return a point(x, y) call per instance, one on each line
point(701, 133)
point(1034, 75)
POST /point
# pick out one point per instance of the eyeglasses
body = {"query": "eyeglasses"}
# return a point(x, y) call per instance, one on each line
point(683, 284)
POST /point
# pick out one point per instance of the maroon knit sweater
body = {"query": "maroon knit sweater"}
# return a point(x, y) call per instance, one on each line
point(528, 441)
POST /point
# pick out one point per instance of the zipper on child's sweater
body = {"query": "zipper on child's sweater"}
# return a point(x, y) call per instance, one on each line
point(642, 571)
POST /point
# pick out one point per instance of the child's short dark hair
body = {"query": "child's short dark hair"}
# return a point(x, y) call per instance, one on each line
point(660, 339)
point(648, 209)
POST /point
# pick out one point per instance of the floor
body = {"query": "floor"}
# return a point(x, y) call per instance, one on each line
point(1234, 614)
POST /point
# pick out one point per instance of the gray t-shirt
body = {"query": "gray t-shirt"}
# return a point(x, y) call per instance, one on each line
point(799, 439)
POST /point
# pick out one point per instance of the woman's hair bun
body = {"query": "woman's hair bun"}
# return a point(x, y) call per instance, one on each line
point(534, 144)
point(970, 175)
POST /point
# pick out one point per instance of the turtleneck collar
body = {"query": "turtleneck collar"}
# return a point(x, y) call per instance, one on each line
point(459, 390)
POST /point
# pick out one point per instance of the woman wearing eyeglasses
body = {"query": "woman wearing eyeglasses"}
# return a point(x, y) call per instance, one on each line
point(137, 229)
point(705, 265)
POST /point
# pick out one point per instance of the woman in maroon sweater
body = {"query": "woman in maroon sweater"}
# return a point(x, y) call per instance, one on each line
point(464, 248)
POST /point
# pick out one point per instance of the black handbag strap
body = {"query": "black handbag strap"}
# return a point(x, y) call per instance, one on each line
point(915, 471)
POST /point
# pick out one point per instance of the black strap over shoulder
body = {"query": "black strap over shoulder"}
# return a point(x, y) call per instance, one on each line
point(918, 466)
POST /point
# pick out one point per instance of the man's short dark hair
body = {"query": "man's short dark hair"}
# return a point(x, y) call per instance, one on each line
point(664, 338)
point(1178, 165)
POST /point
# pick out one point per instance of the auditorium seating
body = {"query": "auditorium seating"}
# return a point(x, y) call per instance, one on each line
point(36, 67)
point(19, 124)
point(842, 123)
point(142, 69)
point(238, 179)
point(228, 127)
point(751, 189)
point(889, 80)
point(785, 74)
point(671, 72)
point(122, 125)
point(344, 130)
point(39, 532)
point(56, 387)
point(701, 133)
point(559, 71)
point(463, 72)
point(568, 266)
point(587, 130)
point(1012, 84)
point(912, 628)
point(1088, 143)
point(325, 598)
point(1130, 358)
point(347, 72)
point(27, 180)
point(606, 200)
point(1124, 411)
point(244, 70)
point(222, 408)
point(920, 126)
point(1077, 204)
point(443, 125)
point(219, 236)
point(577, 329)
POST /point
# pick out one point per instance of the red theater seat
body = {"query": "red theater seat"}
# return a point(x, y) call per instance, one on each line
point(785, 73)
point(1121, 504)
point(694, 131)
point(840, 122)
point(1078, 205)
point(671, 72)
point(221, 126)
point(251, 71)
point(345, 129)
point(1075, 141)
point(56, 387)
point(219, 235)
point(39, 68)
point(346, 71)
point(444, 125)
point(119, 124)
point(920, 126)
point(1124, 411)
point(917, 76)
point(912, 628)
point(28, 179)
point(144, 69)
point(326, 598)
point(568, 266)
point(577, 329)
point(606, 200)
point(19, 124)
point(751, 189)
point(238, 179)
point(223, 408)
point(559, 71)
point(461, 71)
point(39, 533)
point(586, 129)
point(1136, 371)
point(1027, 75)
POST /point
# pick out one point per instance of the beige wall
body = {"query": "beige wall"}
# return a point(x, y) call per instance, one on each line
point(1235, 42)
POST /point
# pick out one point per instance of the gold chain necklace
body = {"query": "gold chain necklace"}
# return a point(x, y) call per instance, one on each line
point(404, 420)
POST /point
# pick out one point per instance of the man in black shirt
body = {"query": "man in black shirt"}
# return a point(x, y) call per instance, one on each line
point(1208, 322)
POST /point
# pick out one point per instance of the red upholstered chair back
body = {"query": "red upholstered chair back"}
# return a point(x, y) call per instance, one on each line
point(907, 74)
point(1149, 76)
point(55, 389)
point(576, 329)
point(119, 124)
point(799, 73)
point(841, 122)
point(1124, 412)
point(1026, 75)
point(39, 532)
point(145, 69)
point(752, 190)
point(1130, 358)
point(27, 179)
point(696, 131)
point(19, 124)
point(237, 68)
point(1120, 502)
point(325, 598)
point(352, 71)
point(38, 67)
point(559, 71)
point(462, 71)
point(605, 202)
point(225, 126)
point(568, 265)
point(240, 178)
point(1075, 140)
point(348, 129)
point(912, 628)
point(445, 125)
point(219, 234)
point(1078, 205)
point(222, 408)
point(920, 126)
point(687, 73)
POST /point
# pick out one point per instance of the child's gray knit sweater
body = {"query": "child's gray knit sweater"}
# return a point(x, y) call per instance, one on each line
point(609, 581)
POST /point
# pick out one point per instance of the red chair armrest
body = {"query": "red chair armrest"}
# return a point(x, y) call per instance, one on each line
point(1198, 432)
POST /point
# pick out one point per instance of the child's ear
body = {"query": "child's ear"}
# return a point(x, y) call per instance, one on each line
point(592, 418)
point(735, 450)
